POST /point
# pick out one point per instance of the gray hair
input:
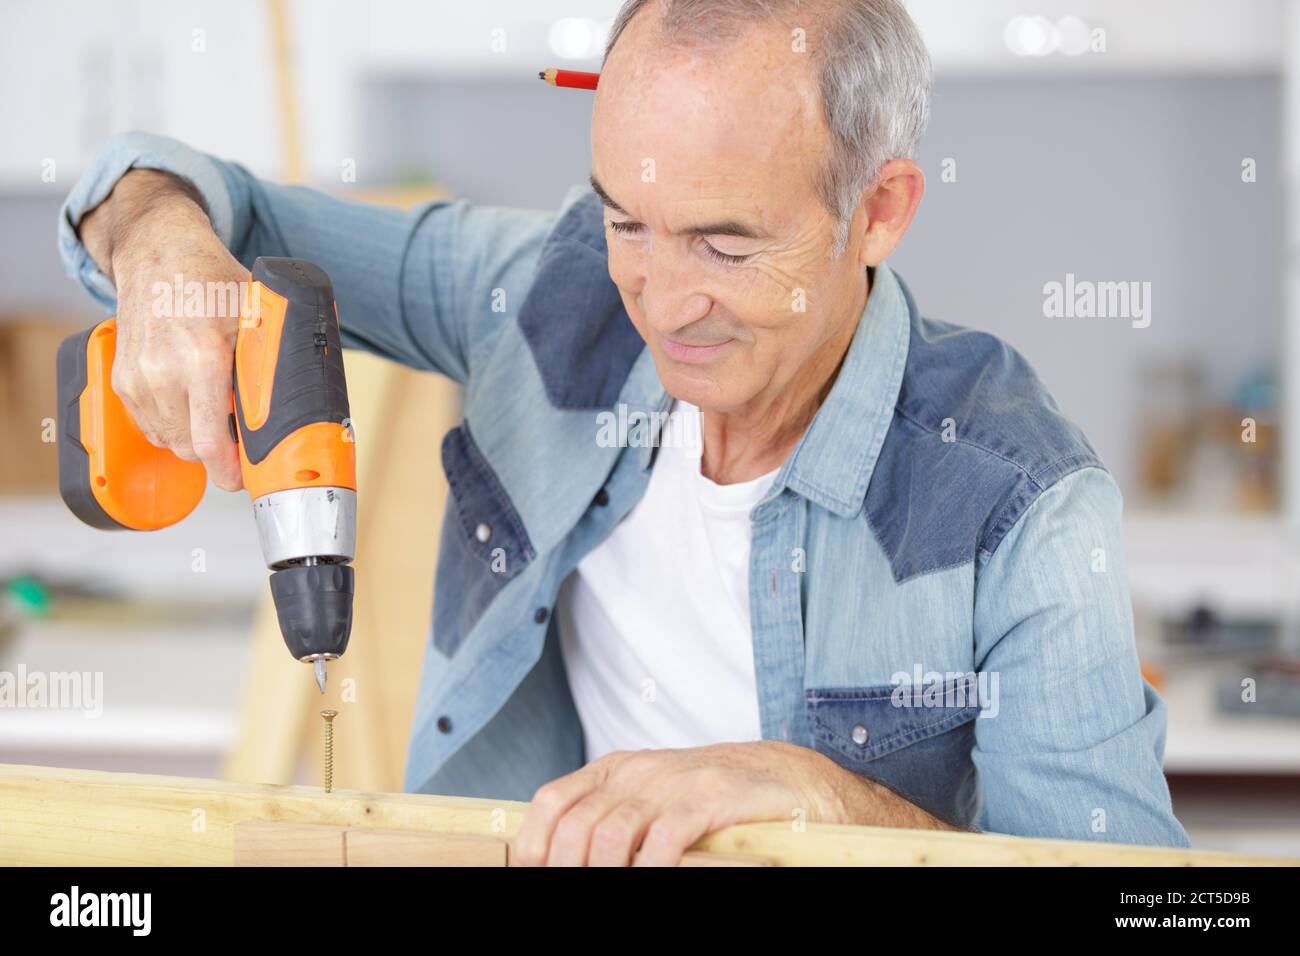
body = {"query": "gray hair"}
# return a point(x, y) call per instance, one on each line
point(874, 75)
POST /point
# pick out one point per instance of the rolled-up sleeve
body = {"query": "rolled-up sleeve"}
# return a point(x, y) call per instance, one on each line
point(427, 287)
point(1073, 742)
point(135, 151)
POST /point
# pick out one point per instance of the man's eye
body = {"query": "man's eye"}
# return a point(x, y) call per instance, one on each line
point(722, 256)
point(625, 228)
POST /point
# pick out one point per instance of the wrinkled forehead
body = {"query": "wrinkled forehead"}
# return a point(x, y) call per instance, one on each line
point(706, 124)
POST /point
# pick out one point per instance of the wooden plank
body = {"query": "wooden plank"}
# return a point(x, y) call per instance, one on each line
point(701, 858)
point(53, 816)
point(410, 848)
point(827, 845)
point(281, 843)
point(262, 843)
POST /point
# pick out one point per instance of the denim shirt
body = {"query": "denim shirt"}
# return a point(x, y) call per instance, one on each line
point(937, 583)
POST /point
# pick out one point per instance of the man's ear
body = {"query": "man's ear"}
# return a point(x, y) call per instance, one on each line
point(889, 206)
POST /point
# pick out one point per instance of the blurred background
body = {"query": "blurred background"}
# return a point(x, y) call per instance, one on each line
point(1101, 141)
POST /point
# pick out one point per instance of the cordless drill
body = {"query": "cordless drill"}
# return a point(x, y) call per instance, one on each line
point(289, 416)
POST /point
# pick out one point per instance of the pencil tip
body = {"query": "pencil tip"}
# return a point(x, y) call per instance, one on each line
point(541, 74)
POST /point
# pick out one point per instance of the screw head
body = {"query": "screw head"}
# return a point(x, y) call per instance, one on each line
point(329, 714)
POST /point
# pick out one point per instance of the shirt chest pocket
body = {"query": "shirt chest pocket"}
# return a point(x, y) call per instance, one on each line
point(917, 745)
point(483, 544)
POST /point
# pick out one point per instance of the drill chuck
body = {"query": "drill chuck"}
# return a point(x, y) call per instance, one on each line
point(314, 605)
point(307, 536)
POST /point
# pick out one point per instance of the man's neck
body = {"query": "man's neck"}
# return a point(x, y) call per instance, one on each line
point(756, 439)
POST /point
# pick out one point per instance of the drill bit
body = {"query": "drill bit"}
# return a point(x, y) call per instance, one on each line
point(329, 716)
point(320, 674)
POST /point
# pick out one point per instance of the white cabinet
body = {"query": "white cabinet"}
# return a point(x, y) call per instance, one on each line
point(74, 72)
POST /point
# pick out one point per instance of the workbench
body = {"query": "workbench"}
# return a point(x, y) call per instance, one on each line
point(79, 817)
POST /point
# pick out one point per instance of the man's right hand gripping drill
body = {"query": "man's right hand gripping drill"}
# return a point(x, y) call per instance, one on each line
point(171, 371)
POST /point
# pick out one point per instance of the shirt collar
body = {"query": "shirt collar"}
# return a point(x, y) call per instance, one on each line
point(832, 464)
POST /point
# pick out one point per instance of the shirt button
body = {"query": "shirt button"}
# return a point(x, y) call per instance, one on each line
point(860, 735)
point(540, 615)
point(602, 497)
point(483, 532)
point(444, 724)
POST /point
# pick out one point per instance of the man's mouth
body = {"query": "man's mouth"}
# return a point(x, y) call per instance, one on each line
point(695, 354)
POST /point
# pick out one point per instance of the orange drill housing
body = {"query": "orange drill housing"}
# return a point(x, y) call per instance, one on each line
point(109, 473)
point(290, 394)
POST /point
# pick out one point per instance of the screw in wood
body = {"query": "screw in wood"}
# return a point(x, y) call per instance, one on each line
point(329, 716)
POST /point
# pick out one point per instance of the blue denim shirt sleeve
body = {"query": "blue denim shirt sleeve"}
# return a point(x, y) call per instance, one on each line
point(1075, 748)
point(427, 287)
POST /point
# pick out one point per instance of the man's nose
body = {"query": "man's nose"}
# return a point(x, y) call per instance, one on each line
point(670, 310)
point(667, 299)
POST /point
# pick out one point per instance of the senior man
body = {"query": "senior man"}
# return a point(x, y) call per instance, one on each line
point(883, 584)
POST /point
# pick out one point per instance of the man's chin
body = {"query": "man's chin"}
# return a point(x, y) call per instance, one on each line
point(704, 388)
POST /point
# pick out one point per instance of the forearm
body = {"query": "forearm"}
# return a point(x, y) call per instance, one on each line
point(845, 797)
point(144, 206)
point(425, 288)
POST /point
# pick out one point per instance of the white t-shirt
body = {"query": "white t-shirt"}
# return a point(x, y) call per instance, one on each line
point(654, 622)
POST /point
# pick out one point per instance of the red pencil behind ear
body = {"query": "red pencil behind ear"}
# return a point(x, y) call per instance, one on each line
point(573, 79)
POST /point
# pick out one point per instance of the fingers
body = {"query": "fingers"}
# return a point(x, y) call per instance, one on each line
point(576, 822)
point(611, 814)
point(606, 827)
point(154, 390)
point(648, 807)
point(171, 422)
point(673, 833)
point(209, 429)
point(147, 379)
point(173, 375)
point(532, 844)
point(571, 840)
point(615, 839)
point(131, 388)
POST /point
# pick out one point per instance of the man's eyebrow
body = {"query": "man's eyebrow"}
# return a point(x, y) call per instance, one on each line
point(728, 227)
point(605, 197)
